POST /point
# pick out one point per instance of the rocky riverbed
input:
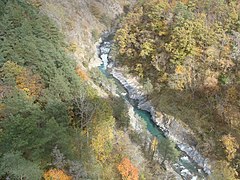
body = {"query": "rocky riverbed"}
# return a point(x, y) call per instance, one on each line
point(172, 128)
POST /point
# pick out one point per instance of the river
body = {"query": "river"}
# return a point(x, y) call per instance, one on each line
point(185, 167)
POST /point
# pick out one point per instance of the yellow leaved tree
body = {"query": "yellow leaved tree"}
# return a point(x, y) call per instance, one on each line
point(102, 139)
point(230, 145)
point(56, 174)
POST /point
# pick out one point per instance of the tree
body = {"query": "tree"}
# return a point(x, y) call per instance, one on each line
point(102, 140)
point(29, 82)
point(84, 110)
point(43, 86)
point(148, 87)
point(77, 170)
point(230, 145)
point(223, 171)
point(83, 75)
point(120, 111)
point(153, 147)
point(58, 110)
point(127, 170)
point(13, 165)
point(10, 70)
point(23, 78)
point(59, 87)
point(59, 160)
point(56, 174)
point(27, 128)
point(168, 151)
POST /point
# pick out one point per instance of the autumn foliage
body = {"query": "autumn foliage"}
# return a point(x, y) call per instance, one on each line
point(24, 78)
point(81, 73)
point(56, 174)
point(30, 83)
point(230, 145)
point(189, 51)
point(127, 170)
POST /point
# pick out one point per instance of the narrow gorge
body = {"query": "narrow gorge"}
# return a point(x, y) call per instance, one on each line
point(191, 165)
point(119, 89)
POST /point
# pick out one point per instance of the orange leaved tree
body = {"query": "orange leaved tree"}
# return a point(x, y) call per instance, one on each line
point(127, 170)
point(56, 174)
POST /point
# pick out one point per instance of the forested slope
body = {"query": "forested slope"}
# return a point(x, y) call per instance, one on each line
point(189, 51)
point(53, 123)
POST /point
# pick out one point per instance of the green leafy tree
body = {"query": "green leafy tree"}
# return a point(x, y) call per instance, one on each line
point(120, 113)
point(26, 128)
point(168, 150)
point(15, 166)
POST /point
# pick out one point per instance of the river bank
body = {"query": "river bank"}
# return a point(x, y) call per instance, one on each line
point(171, 127)
point(166, 124)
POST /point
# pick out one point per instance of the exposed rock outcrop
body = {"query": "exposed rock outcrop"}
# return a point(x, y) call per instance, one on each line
point(172, 128)
point(134, 122)
point(82, 22)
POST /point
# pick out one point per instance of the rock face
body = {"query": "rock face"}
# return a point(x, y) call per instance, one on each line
point(82, 22)
point(172, 128)
point(134, 122)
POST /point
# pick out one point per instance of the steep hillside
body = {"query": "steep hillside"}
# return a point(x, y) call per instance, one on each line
point(186, 54)
point(83, 21)
point(53, 123)
point(61, 118)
